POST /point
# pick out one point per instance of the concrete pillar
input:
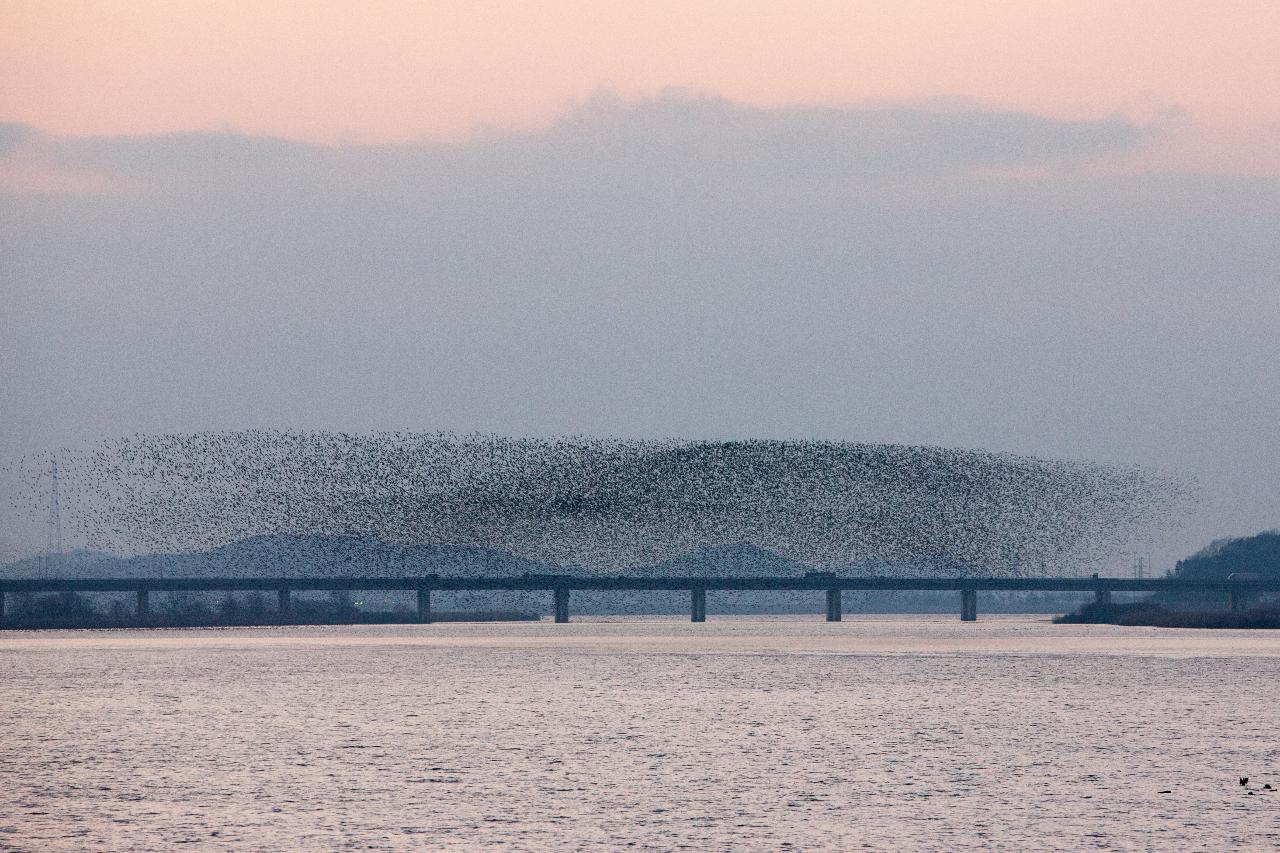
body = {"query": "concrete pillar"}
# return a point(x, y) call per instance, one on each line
point(698, 605)
point(144, 602)
point(424, 606)
point(968, 605)
point(835, 608)
point(562, 604)
point(282, 599)
point(1, 608)
point(1239, 598)
point(1102, 597)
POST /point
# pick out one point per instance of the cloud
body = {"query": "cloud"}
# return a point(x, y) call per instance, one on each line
point(828, 142)
point(676, 135)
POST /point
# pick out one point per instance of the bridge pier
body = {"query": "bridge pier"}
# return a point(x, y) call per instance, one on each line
point(1, 608)
point(835, 608)
point(562, 605)
point(1102, 597)
point(968, 605)
point(424, 606)
point(144, 602)
point(697, 605)
point(282, 599)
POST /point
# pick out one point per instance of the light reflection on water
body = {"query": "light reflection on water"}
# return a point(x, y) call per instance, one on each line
point(893, 733)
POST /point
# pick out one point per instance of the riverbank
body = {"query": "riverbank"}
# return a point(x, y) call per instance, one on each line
point(19, 623)
point(72, 611)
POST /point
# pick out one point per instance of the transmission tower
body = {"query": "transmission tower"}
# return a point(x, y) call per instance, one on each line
point(53, 540)
point(1140, 566)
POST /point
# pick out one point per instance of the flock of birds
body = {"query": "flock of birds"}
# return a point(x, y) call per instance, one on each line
point(607, 504)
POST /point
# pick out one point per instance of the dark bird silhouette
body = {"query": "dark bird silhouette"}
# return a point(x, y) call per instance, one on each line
point(1244, 780)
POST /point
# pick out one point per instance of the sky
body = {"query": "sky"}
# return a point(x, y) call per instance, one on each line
point(1046, 227)
point(334, 71)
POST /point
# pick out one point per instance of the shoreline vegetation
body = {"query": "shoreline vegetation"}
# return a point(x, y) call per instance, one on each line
point(69, 610)
point(1147, 614)
point(1249, 557)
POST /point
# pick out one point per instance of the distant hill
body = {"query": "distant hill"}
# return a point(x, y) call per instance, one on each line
point(78, 563)
point(319, 556)
point(1258, 554)
point(276, 556)
point(1254, 554)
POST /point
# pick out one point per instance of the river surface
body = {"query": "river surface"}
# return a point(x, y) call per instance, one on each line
point(910, 733)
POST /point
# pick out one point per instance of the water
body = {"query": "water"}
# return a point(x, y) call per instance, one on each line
point(739, 734)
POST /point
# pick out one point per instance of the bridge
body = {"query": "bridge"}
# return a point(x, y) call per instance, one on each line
point(1235, 592)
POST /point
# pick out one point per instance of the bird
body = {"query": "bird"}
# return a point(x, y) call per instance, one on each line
point(1244, 780)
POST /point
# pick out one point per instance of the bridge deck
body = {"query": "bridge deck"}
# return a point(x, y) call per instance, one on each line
point(625, 582)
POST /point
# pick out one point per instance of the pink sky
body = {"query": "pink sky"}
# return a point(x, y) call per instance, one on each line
point(332, 70)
